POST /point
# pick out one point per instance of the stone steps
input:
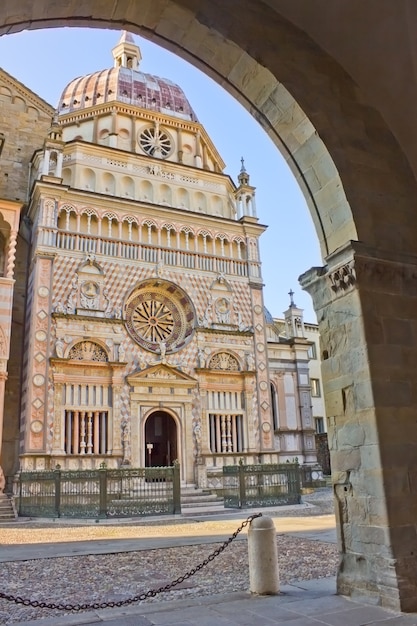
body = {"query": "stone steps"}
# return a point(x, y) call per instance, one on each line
point(200, 502)
point(7, 509)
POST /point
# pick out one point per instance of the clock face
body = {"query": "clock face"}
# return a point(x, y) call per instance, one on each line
point(158, 312)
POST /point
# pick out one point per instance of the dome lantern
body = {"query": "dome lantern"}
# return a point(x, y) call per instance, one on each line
point(127, 54)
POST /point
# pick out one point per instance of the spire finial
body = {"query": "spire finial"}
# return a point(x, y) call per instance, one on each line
point(291, 294)
point(243, 175)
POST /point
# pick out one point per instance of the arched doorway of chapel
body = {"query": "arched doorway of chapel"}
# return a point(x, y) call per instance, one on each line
point(161, 440)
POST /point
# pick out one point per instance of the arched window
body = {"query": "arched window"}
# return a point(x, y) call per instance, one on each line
point(87, 404)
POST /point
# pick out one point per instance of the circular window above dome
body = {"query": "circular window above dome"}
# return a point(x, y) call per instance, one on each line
point(155, 142)
point(158, 312)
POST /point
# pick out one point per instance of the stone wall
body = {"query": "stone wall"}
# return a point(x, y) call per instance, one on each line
point(24, 121)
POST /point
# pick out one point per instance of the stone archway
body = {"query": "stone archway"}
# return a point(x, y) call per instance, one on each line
point(339, 110)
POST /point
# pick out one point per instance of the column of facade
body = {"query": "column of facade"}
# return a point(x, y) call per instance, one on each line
point(180, 151)
point(366, 304)
point(95, 129)
point(11, 254)
point(115, 428)
point(205, 159)
point(197, 158)
point(35, 409)
point(201, 436)
point(58, 434)
point(133, 138)
point(3, 378)
point(266, 427)
point(187, 462)
point(113, 133)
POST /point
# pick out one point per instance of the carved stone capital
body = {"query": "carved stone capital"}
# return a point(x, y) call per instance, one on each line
point(360, 266)
point(343, 278)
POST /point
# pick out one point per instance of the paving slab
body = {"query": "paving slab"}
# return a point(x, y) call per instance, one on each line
point(303, 604)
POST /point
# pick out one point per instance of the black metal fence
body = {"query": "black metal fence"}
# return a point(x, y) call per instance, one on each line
point(100, 493)
point(312, 476)
point(251, 486)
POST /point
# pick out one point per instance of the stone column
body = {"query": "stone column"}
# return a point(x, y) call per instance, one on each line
point(186, 456)
point(366, 305)
point(180, 151)
point(59, 425)
point(116, 430)
point(3, 378)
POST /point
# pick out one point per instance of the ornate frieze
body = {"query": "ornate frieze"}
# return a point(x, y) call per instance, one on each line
point(343, 278)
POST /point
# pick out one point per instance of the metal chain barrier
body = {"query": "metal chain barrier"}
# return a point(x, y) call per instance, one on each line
point(139, 598)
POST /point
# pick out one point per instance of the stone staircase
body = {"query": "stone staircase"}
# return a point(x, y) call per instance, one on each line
point(7, 508)
point(196, 501)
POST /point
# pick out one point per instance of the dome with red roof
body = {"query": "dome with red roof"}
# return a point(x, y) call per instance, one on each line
point(126, 84)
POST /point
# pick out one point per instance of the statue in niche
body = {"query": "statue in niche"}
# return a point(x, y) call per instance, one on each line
point(201, 357)
point(250, 361)
point(121, 353)
point(197, 436)
point(127, 453)
point(142, 363)
point(109, 306)
point(205, 321)
point(163, 351)
point(59, 307)
point(117, 312)
point(59, 348)
point(72, 298)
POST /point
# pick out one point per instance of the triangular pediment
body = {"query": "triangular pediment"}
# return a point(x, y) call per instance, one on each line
point(160, 372)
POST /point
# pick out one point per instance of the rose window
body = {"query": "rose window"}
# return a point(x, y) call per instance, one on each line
point(155, 142)
point(158, 313)
point(153, 320)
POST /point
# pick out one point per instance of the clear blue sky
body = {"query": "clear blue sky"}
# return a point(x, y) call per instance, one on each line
point(46, 60)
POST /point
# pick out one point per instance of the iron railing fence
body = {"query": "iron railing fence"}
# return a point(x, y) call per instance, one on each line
point(312, 476)
point(100, 493)
point(251, 486)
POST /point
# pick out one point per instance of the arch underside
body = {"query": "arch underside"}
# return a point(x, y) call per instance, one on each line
point(338, 109)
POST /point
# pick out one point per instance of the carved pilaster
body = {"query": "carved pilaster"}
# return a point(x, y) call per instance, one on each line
point(11, 254)
point(204, 437)
point(116, 435)
point(57, 441)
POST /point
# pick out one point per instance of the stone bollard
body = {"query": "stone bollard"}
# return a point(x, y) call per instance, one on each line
point(263, 557)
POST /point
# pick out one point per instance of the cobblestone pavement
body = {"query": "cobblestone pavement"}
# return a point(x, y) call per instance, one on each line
point(93, 578)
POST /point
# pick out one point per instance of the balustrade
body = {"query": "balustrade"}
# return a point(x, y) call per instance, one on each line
point(86, 432)
point(137, 251)
point(226, 433)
